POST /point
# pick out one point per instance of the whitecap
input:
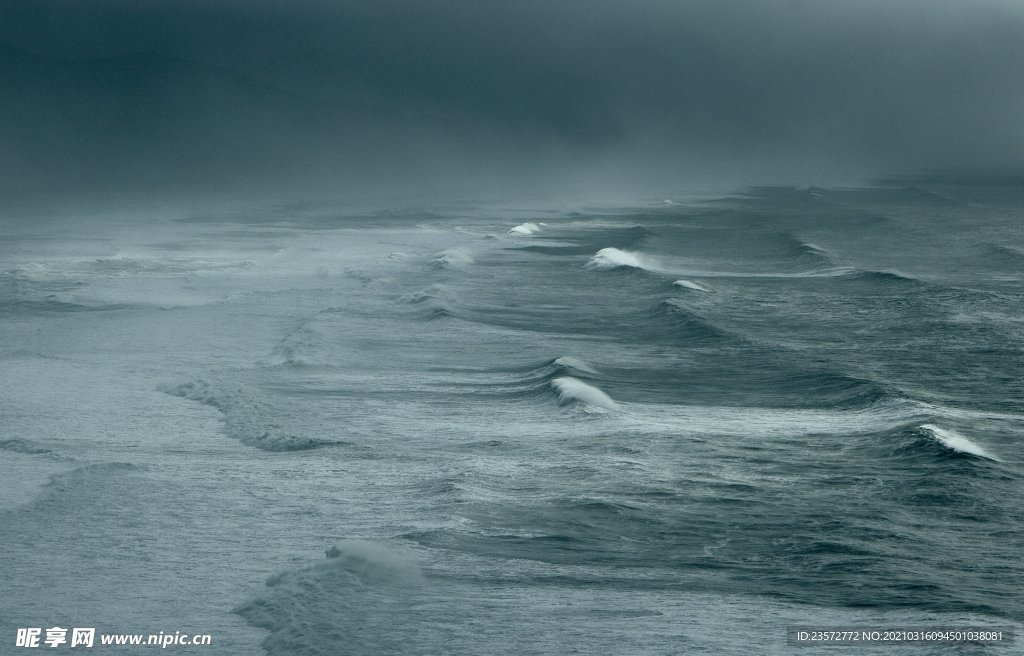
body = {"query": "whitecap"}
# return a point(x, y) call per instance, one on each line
point(955, 441)
point(613, 258)
point(453, 257)
point(689, 284)
point(525, 229)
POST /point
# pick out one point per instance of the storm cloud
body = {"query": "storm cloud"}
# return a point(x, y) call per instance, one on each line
point(183, 95)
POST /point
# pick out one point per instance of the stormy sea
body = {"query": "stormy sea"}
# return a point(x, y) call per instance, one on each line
point(668, 425)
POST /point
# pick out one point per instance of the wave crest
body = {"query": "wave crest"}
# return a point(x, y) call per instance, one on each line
point(571, 363)
point(453, 258)
point(607, 259)
point(686, 322)
point(434, 302)
point(527, 228)
point(572, 390)
point(955, 441)
point(689, 284)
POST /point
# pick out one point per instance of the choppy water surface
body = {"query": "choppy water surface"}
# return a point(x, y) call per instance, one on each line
point(669, 428)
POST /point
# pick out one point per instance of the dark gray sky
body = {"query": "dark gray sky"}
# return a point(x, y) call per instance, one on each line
point(223, 94)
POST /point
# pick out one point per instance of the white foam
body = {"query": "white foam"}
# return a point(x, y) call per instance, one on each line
point(453, 257)
point(613, 258)
point(955, 441)
point(371, 561)
point(570, 389)
point(689, 284)
point(525, 229)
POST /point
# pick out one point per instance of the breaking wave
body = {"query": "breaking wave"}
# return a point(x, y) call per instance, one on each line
point(533, 381)
point(574, 364)
point(453, 258)
point(359, 597)
point(607, 259)
point(525, 229)
point(955, 441)
point(572, 390)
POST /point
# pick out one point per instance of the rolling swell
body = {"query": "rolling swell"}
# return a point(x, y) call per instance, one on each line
point(52, 305)
point(766, 381)
point(804, 255)
point(683, 322)
point(585, 242)
point(67, 492)
point(542, 373)
point(563, 379)
point(830, 389)
point(881, 280)
point(41, 292)
point(709, 366)
point(762, 380)
point(21, 445)
point(1004, 256)
point(246, 419)
point(434, 302)
point(772, 445)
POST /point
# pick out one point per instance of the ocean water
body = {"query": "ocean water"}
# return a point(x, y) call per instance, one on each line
point(660, 427)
